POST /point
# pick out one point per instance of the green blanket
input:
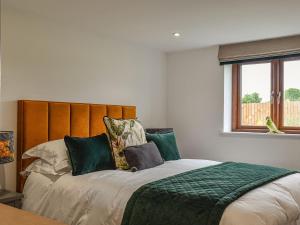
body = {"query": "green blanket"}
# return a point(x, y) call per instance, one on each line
point(197, 197)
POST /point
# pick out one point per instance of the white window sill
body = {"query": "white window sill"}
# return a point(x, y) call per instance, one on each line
point(263, 135)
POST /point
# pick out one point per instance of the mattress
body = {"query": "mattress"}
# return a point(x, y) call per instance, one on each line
point(100, 198)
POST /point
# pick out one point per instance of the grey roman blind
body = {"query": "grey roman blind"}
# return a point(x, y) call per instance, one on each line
point(260, 50)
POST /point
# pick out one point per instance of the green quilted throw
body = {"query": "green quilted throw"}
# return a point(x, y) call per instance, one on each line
point(197, 197)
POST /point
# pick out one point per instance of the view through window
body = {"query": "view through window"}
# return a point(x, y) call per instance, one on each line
point(266, 89)
point(291, 93)
point(255, 94)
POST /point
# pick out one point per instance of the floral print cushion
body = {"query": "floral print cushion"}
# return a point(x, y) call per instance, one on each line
point(124, 133)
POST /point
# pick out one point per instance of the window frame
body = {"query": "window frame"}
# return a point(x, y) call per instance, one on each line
point(277, 97)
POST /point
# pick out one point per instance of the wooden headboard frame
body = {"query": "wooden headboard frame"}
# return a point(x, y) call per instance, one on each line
point(42, 121)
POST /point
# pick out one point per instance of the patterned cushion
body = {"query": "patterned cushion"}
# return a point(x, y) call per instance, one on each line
point(124, 133)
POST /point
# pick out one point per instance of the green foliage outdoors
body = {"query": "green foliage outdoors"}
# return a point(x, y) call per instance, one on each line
point(292, 94)
point(252, 98)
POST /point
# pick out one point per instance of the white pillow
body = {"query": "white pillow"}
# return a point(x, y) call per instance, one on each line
point(53, 153)
point(41, 166)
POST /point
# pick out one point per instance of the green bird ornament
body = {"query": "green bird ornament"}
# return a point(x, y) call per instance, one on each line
point(272, 127)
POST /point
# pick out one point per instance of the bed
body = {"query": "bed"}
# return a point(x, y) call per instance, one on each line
point(100, 198)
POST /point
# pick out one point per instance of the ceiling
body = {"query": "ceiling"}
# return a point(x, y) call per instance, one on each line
point(152, 22)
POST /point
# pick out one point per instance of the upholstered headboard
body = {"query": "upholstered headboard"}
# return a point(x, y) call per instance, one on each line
point(42, 121)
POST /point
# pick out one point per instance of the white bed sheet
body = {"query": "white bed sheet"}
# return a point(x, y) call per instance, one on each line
point(100, 198)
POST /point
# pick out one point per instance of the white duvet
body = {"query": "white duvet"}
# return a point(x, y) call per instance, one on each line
point(100, 198)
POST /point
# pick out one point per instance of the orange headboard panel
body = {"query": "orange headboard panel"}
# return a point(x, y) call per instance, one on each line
point(42, 121)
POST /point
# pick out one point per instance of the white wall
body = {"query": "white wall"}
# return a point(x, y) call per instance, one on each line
point(195, 110)
point(44, 59)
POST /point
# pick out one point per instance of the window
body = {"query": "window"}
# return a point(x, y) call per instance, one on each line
point(269, 88)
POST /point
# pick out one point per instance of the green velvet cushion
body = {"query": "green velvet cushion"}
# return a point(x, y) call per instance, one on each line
point(89, 154)
point(166, 144)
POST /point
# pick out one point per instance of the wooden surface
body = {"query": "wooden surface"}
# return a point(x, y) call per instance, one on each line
point(278, 107)
point(236, 104)
point(13, 216)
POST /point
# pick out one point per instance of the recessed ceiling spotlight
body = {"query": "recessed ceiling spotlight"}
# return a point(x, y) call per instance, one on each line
point(176, 34)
